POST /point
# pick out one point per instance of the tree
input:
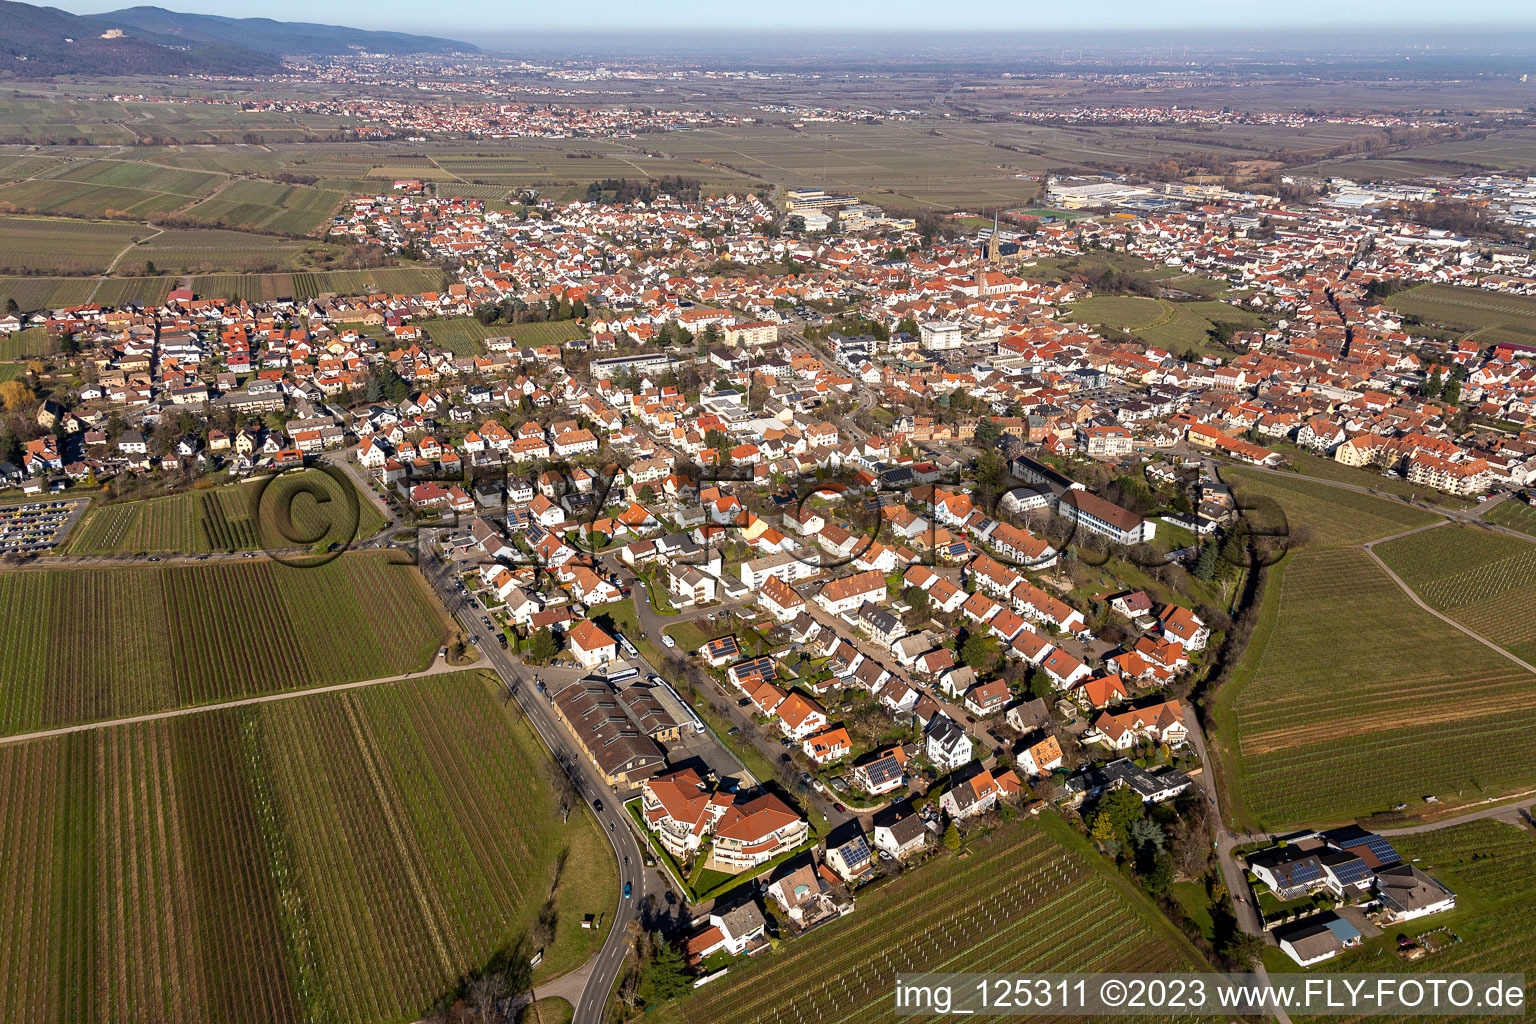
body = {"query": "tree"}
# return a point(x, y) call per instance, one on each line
point(974, 652)
point(16, 395)
point(1451, 393)
point(1040, 685)
point(1208, 563)
point(1435, 384)
point(542, 647)
point(485, 991)
point(566, 796)
point(1241, 951)
point(951, 837)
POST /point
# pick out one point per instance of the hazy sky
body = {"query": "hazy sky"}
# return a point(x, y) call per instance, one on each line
point(463, 19)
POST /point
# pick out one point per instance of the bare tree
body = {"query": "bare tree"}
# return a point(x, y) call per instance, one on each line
point(485, 992)
point(566, 795)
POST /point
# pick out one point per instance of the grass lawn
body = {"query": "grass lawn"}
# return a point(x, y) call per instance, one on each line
point(1323, 468)
point(1176, 326)
point(1191, 896)
point(549, 1010)
point(689, 636)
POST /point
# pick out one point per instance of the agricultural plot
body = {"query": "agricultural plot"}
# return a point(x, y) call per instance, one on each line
point(80, 645)
point(1514, 514)
point(1484, 580)
point(36, 293)
point(340, 857)
point(1020, 900)
point(557, 332)
point(1491, 867)
point(1323, 515)
point(190, 251)
point(1495, 315)
point(57, 245)
point(148, 291)
point(268, 206)
point(239, 517)
point(103, 188)
point(1353, 699)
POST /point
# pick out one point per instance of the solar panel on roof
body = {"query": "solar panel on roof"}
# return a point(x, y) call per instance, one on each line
point(1351, 872)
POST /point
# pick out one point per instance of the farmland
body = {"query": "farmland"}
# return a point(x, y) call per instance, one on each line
point(1491, 866)
point(268, 206)
point(225, 519)
point(1352, 699)
point(1484, 580)
point(309, 284)
point(1028, 896)
point(199, 250)
point(334, 857)
point(56, 246)
point(80, 645)
point(1320, 514)
point(1495, 316)
point(1514, 514)
point(108, 188)
point(34, 293)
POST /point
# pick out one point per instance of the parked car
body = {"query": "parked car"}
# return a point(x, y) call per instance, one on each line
point(668, 641)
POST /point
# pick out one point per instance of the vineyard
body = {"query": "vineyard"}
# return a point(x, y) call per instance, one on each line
point(1491, 866)
point(1516, 515)
point(55, 245)
point(226, 519)
point(1352, 699)
point(82, 645)
point(1328, 516)
point(1486, 581)
point(267, 206)
point(341, 857)
point(309, 284)
point(1019, 900)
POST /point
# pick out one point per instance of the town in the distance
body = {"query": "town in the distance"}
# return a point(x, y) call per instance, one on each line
point(704, 596)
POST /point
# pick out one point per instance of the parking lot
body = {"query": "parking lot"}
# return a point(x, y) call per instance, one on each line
point(37, 526)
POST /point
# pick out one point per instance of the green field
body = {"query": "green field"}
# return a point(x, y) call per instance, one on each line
point(123, 189)
point(1352, 699)
point(1175, 326)
point(1495, 316)
point(226, 519)
point(1319, 514)
point(1514, 514)
point(55, 245)
point(268, 206)
point(1322, 467)
point(1491, 867)
point(1484, 580)
point(336, 857)
point(309, 284)
point(81, 645)
point(35, 293)
point(1027, 897)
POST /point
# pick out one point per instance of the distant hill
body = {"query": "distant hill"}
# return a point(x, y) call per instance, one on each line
point(39, 42)
point(264, 35)
point(36, 42)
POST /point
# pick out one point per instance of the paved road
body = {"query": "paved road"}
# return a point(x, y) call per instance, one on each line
point(439, 666)
point(603, 969)
point(1231, 871)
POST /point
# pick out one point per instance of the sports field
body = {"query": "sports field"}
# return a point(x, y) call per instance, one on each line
point(237, 517)
point(1484, 580)
point(336, 857)
point(81, 645)
point(1029, 896)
